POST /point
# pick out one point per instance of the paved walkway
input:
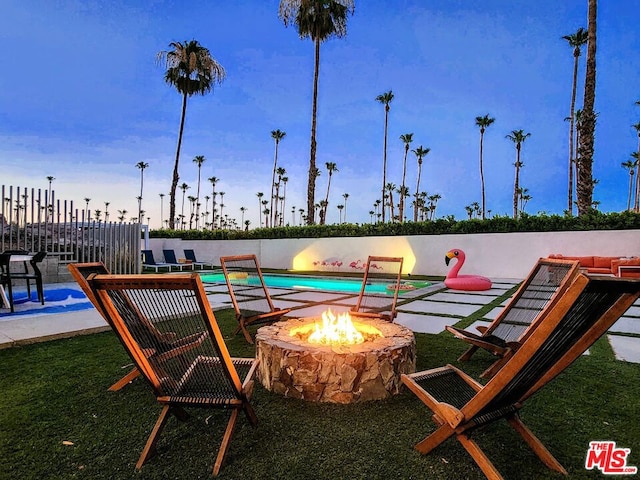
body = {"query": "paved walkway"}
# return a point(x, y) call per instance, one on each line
point(426, 310)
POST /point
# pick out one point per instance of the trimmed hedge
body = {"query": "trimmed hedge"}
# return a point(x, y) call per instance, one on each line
point(527, 223)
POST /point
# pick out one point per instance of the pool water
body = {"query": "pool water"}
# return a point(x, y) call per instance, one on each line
point(303, 282)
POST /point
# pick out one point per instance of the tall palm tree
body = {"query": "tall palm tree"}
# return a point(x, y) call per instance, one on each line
point(385, 99)
point(331, 167)
point(631, 166)
point(576, 41)
point(345, 196)
point(221, 204)
point(213, 181)
point(141, 166)
point(106, 211)
point(391, 188)
point(198, 160)
point(483, 123)
point(260, 195)
point(50, 179)
point(518, 137)
point(280, 171)
point(277, 135)
point(161, 210)
point(284, 179)
point(191, 70)
point(242, 210)
point(184, 187)
point(587, 124)
point(420, 153)
point(636, 205)
point(318, 20)
point(407, 138)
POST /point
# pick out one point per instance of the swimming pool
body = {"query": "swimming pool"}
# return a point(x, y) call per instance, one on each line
point(303, 282)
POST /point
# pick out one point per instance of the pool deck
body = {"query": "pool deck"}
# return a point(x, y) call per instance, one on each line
point(425, 310)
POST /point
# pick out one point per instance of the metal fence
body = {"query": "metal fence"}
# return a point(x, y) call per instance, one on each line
point(35, 220)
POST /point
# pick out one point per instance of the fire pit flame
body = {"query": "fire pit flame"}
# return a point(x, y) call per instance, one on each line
point(336, 330)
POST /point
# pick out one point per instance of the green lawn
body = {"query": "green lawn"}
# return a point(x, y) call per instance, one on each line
point(56, 392)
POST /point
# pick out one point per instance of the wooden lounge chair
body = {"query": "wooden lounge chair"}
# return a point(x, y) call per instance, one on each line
point(205, 376)
point(249, 294)
point(543, 287)
point(148, 261)
point(166, 344)
point(460, 405)
point(190, 255)
point(384, 270)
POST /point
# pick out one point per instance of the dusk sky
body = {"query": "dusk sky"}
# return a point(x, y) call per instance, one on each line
point(83, 99)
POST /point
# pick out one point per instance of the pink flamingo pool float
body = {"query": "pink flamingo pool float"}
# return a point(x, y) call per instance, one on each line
point(463, 282)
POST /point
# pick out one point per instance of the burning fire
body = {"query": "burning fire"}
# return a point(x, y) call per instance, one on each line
point(334, 330)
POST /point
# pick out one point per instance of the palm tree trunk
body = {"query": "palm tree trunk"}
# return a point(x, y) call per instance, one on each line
point(415, 207)
point(384, 158)
point(588, 120)
point(323, 219)
point(630, 190)
point(571, 133)
point(516, 184)
point(273, 178)
point(198, 199)
point(402, 189)
point(482, 173)
point(636, 205)
point(176, 176)
point(311, 186)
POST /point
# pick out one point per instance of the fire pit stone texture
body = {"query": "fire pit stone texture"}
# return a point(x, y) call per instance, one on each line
point(292, 367)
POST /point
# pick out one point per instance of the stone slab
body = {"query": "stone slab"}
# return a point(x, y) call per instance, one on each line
point(424, 323)
point(462, 298)
point(425, 306)
point(625, 348)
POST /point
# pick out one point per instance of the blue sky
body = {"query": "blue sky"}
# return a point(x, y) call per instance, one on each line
point(83, 100)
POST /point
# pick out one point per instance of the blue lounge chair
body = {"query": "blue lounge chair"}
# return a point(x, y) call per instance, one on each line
point(190, 255)
point(149, 262)
point(170, 259)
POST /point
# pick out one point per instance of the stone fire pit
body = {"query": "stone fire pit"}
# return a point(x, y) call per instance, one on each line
point(371, 370)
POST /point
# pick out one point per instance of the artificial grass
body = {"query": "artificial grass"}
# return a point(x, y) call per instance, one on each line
point(56, 392)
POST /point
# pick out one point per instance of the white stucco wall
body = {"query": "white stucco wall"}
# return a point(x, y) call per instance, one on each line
point(497, 255)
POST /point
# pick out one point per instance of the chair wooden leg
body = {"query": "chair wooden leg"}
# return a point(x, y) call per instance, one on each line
point(124, 381)
point(467, 355)
point(245, 332)
point(226, 439)
point(150, 447)
point(479, 457)
point(536, 445)
point(436, 438)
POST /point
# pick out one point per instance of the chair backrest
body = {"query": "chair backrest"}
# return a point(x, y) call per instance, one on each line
point(169, 256)
point(189, 254)
point(147, 257)
point(36, 259)
point(177, 304)
point(246, 285)
point(546, 283)
point(81, 272)
point(590, 306)
point(381, 285)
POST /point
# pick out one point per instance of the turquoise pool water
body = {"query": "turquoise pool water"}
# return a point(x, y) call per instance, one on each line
point(303, 282)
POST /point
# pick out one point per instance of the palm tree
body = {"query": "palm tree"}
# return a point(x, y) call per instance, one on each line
point(575, 40)
point(385, 99)
point(636, 205)
point(141, 166)
point(260, 195)
point(318, 20)
point(340, 208)
point(631, 166)
point(284, 179)
point(420, 154)
point(390, 188)
point(517, 137)
point(198, 160)
point(50, 179)
point(87, 200)
point(523, 197)
point(242, 210)
point(331, 167)
point(483, 123)
point(407, 138)
point(106, 211)
point(280, 171)
point(277, 135)
point(161, 209)
point(345, 196)
point(221, 204)
point(184, 187)
point(213, 181)
point(587, 124)
point(191, 70)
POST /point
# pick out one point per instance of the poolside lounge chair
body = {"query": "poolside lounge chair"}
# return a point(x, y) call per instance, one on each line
point(170, 258)
point(205, 376)
point(190, 255)
point(461, 406)
point(386, 270)
point(543, 287)
point(249, 294)
point(149, 262)
point(166, 344)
